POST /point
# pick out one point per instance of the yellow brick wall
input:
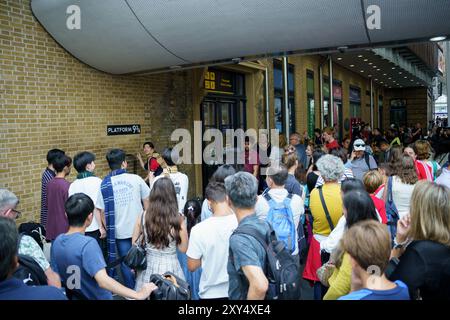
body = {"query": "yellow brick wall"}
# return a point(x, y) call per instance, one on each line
point(51, 100)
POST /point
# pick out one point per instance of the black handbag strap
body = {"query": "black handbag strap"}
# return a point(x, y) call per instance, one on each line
point(327, 213)
point(140, 241)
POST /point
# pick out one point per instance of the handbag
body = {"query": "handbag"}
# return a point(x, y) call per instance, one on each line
point(136, 257)
point(170, 287)
point(324, 273)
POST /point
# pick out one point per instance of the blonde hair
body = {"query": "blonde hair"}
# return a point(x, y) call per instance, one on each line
point(369, 243)
point(430, 213)
point(372, 180)
point(329, 131)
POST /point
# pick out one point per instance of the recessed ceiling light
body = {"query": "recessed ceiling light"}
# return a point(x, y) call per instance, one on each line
point(370, 63)
point(381, 82)
point(360, 56)
point(374, 67)
point(439, 38)
point(406, 77)
point(378, 69)
point(352, 65)
point(400, 72)
point(384, 74)
point(393, 68)
point(376, 79)
point(362, 71)
point(389, 78)
point(339, 58)
point(365, 60)
point(412, 80)
point(369, 75)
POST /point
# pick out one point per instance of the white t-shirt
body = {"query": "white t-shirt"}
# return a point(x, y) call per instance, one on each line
point(331, 242)
point(401, 195)
point(278, 195)
point(129, 191)
point(90, 186)
point(209, 242)
point(181, 183)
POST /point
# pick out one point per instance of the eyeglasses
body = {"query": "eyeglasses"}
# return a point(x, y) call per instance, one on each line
point(18, 213)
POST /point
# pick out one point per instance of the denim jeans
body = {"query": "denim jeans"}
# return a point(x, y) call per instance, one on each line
point(123, 245)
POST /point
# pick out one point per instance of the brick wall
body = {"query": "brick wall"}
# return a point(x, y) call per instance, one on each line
point(51, 100)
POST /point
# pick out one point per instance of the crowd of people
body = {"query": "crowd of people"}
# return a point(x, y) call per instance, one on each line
point(365, 217)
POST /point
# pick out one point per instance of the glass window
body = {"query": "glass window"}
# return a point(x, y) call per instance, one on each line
point(278, 114)
point(355, 102)
point(279, 96)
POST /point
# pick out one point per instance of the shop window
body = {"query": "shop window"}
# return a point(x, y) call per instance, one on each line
point(279, 96)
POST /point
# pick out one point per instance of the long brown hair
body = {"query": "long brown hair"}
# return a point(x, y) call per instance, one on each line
point(162, 220)
point(407, 172)
point(395, 160)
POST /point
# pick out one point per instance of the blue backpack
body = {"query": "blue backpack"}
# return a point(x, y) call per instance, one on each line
point(391, 211)
point(281, 219)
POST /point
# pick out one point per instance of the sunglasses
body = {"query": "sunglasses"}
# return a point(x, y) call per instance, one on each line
point(360, 145)
point(18, 213)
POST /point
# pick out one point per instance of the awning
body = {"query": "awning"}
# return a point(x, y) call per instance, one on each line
point(139, 36)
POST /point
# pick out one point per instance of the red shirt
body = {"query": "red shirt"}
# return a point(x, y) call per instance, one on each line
point(381, 208)
point(153, 164)
point(424, 172)
point(332, 145)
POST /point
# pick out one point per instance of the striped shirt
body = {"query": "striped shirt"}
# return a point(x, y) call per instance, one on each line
point(47, 175)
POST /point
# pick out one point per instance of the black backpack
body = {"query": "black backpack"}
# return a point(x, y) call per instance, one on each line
point(29, 270)
point(281, 267)
point(34, 230)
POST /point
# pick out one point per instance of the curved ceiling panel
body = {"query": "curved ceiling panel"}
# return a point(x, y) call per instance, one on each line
point(110, 39)
point(411, 19)
point(200, 30)
point(136, 36)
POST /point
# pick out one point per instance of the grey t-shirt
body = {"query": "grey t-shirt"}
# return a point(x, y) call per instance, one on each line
point(245, 251)
point(360, 167)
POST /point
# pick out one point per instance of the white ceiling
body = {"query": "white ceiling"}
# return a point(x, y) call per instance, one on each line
point(136, 36)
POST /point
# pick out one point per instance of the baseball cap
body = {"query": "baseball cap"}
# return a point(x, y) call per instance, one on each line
point(359, 145)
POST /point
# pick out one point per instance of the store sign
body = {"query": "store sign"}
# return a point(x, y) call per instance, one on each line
point(116, 130)
point(219, 82)
point(355, 95)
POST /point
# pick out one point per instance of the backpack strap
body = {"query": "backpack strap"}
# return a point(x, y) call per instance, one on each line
point(367, 158)
point(253, 233)
point(267, 196)
point(389, 190)
point(327, 213)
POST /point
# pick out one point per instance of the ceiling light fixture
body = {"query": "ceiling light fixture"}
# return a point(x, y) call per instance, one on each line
point(437, 39)
point(360, 56)
point(352, 65)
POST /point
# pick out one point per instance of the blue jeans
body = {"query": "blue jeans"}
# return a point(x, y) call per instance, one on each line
point(123, 245)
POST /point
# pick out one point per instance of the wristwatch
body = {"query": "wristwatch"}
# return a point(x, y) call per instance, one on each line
point(400, 245)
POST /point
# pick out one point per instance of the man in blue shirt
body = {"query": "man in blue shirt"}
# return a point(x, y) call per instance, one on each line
point(10, 287)
point(246, 255)
point(369, 245)
point(79, 260)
